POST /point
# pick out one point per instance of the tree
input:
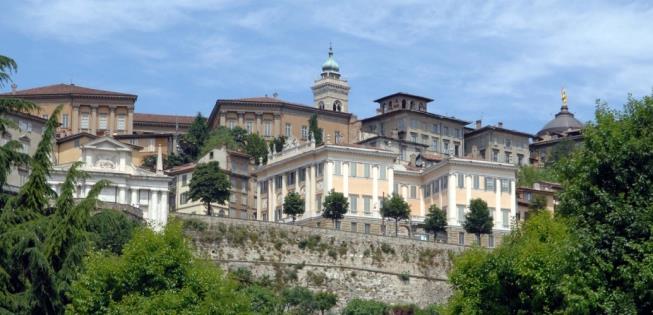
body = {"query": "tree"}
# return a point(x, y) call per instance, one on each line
point(478, 220)
point(538, 204)
point(240, 136)
point(220, 137)
point(255, 146)
point(435, 221)
point(396, 208)
point(209, 184)
point(293, 205)
point(298, 300)
point(191, 143)
point(110, 230)
point(527, 175)
point(365, 307)
point(156, 274)
point(335, 206)
point(325, 301)
point(314, 130)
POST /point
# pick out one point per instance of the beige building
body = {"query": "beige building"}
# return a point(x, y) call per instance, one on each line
point(94, 111)
point(237, 167)
point(405, 120)
point(28, 134)
point(498, 144)
point(156, 123)
point(365, 175)
point(526, 196)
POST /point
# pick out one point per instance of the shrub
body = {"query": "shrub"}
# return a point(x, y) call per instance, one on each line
point(195, 225)
point(365, 307)
point(404, 276)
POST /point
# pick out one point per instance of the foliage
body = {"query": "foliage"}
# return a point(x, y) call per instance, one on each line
point(298, 300)
point(527, 175)
point(170, 160)
point(608, 196)
point(263, 300)
point(396, 208)
point(155, 274)
point(325, 301)
point(559, 152)
point(191, 143)
point(219, 137)
point(365, 307)
point(240, 136)
point(314, 131)
point(7, 66)
point(538, 203)
point(42, 243)
point(435, 221)
point(255, 146)
point(293, 205)
point(335, 206)
point(478, 220)
point(111, 230)
point(209, 184)
point(520, 276)
point(277, 143)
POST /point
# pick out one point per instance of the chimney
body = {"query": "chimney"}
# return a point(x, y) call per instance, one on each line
point(478, 124)
point(500, 124)
point(14, 87)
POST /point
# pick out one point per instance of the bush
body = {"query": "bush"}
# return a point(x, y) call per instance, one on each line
point(111, 230)
point(195, 225)
point(365, 307)
point(404, 276)
point(387, 249)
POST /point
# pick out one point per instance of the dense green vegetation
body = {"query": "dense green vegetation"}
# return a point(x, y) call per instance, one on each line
point(293, 205)
point(395, 207)
point(478, 220)
point(335, 206)
point(209, 184)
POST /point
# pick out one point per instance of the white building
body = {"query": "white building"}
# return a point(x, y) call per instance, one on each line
point(132, 189)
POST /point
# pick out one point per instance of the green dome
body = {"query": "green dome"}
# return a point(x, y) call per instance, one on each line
point(330, 65)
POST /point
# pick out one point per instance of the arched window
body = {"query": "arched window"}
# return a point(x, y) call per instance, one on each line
point(412, 105)
point(337, 106)
point(321, 105)
point(403, 104)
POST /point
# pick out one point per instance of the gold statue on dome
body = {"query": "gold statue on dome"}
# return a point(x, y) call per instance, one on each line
point(563, 96)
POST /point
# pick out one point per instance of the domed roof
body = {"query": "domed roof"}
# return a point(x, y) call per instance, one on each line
point(330, 65)
point(563, 121)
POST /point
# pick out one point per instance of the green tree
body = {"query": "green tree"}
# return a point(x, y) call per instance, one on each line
point(435, 221)
point(325, 301)
point(538, 204)
point(191, 143)
point(240, 136)
point(278, 143)
point(111, 230)
point(478, 220)
point(298, 300)
point(527, 175)
point(209, 184)
point(263, 300)
point(255, 146)
point(156, 274)
point(293, 205)
point(365, 307)
point(396, 208)
point(220, 137)
point(314, 130)
point(335, 206)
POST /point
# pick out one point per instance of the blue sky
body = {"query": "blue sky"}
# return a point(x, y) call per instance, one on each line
point(496, 60)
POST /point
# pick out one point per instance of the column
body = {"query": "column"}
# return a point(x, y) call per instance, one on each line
point(269, 209)
point(223, 120)
point(276, 126)
point(259, 202)
point(313, 182)
point(513, 199)
point(134, 199)
point(272, 200)
point(74, 123)
point(152, 208)
point(451, 191)
point(240, 119)
point(375, 188)
point(497, 209)
point(328, 175)
point(284, 188)
point(307, 192)
point(259, 125)
point(420, 192)
point(112, 119)
point(468, 190)
point(163, 213)
point(130, 121)
point(122, 195)
point(93, 120)
point(297, 181)
point(345, 179)
point(391, 181)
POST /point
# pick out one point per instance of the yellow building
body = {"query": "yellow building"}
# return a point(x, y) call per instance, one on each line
point(365, 175)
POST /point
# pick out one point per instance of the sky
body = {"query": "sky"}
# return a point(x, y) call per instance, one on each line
point(499, 61)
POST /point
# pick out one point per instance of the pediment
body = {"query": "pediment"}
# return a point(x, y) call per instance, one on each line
point(108, 144)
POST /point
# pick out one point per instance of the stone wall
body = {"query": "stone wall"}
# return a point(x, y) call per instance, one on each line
point(389, 269)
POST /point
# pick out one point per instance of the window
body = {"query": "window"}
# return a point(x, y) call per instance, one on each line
point(507, 142)
point(445, 147)
point(413, 123)
point(490, 241)
point(64, 120)
point(489, 184)
point(520, 159)
point(337, 225)
point(354, 227)
point(249, 126)
point(83, 122)
point(491, 211)
point(302, 174)
point(413, 137)
point(434, 144)
point(103, 122)
point(183, 198)
point(367, 228)
point(456, 149)
point(338, 137)
point(507, 157)
point(304, 132)
point(184, 180)
point(352, 169)
point(426, 190)
point(320, 169)
point(505, 185)
point(367, 204)
point(402, 153)
point(337, 168)
point(461, 180)
point(413, 192)
point(505, 220)
point(528, 196)
point(461, 214)
point(425, 139)
point(445, 182)
point(267, 128)
point(353, 203)
point(366, 170)
point(288, 130)
point(445, 130)
point(495, 155)
point(382, 172)
point(278, 181)
point(435, 128)
point(477, 182)
point(290, 178)
point(121, 123)
point(461, 238)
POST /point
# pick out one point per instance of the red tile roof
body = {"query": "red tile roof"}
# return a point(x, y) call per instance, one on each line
point(169, 119)
point(67, 89)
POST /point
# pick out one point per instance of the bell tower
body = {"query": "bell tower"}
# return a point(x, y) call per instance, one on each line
point(331, 92)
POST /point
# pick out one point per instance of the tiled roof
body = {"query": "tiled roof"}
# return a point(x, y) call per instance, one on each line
point(66, 89)
point(166, 119)
point(180, 168)
point(262, 99)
